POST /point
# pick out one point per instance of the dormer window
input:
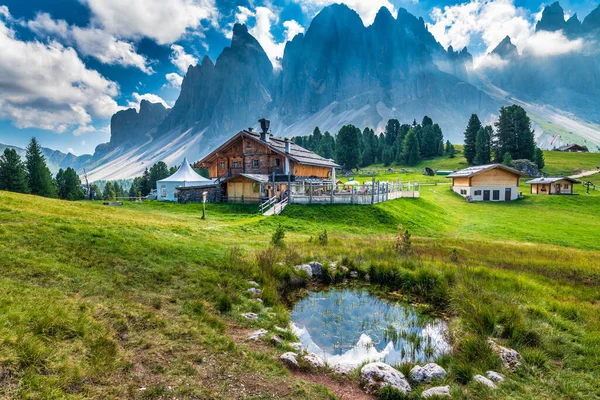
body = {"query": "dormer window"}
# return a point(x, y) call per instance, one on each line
point(255, 164)
point(277, 162)
point(222, 165)
point(248, 144)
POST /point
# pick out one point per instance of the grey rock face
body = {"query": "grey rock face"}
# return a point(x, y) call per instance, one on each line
point(254, 291)
point(313, 361)
point(290, 359)
point(440, 391)
point(510, 358)
point(257, 334)
point(527, 167)
point(317, 268)
point(484, 381)
point(250, 315)
point(427, 373)
point(129, 126)
point(343, 369)
point(306, 268)
point(375, 376)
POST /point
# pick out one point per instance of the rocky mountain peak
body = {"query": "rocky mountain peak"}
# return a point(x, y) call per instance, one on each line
point(384, 17)
point(506, 49)
point(592, 21)
point(553, 18)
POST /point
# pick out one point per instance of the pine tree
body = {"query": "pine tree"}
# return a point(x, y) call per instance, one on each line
point(39, 178)
point(514, 134)
point(13, 176)
point(109, 192)
point(507, 159)
point(450, 151)
point(69, 185)
point(348, 147)
point(483, 146)
point(145, 187)
point(470, 135)
point(439, 138)
point(410, 148)
point(427, 121)
point(539, 158)
point(157, 172)
point(392, 130)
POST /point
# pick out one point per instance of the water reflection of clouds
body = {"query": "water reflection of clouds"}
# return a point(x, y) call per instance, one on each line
point(350, 326)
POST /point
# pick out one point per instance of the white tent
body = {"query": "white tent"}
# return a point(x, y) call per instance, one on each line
point(185, 176)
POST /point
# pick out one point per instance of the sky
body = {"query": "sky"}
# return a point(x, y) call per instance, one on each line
point(66, 66)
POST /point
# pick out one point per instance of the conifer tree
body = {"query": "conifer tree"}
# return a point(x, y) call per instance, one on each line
point(157, 172)
point(514, 134)
point(69, 185)
point(483, 146)
point(470, 135)
point(539, 158)
point(39, 178)
point(145, 187)
point(13, 176)
point(507, 159)
point(348, 147)
point(450, 151)
point(410, 148)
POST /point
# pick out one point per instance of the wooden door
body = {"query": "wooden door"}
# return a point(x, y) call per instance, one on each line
point(486, 195)
point(507, 194)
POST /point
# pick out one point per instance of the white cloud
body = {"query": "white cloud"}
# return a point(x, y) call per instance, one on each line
point(151, 97)
point(91, 42)
point(367, 9)
point(174, 80)
point(489, 61)
point(243, 15)
point(547, 44)
point(292, 28)
point(47, 86)
point(84, 129)
point(70, 150)
point(181, 59)
point(165, 21)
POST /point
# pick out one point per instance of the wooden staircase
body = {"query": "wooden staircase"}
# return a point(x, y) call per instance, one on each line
point(273, 207)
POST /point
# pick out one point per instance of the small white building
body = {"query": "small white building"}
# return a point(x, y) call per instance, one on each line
point(185, 176)
point(493, 182)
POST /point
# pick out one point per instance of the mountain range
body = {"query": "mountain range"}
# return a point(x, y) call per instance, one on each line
point(343, 72)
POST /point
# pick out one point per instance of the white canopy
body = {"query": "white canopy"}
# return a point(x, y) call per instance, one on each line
point(185, 176)
point(351, 183)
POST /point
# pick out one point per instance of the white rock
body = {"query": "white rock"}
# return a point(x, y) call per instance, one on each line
point(250, 315)
point(276, 340)
point(510, 358)
point(280, 329)
point(484, 381)
point(343, 369)
point(436, 391)
point(253, 284)
point(258, 334)
point(306, 268)
point(296, 346)
point(427, 373)
point(494, 376)
point(377, 375)
point(254, 291)
point(353, 274)
point(313, 361)
point(289, 359)
point(317, 268)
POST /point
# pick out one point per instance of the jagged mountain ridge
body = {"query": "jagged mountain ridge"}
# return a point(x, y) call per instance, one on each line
point(55, 159)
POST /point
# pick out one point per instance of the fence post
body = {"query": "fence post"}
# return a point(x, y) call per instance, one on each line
point(352, 196)
point(332, 186)
point(373, 190)
point(310, 194)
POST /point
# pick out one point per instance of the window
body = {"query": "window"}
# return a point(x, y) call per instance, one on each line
point(236, 164)
point(463, 192)
point(277, 162)
point(256, 187)
point(163, 191)
point(477, 193)
point(248, 144)
point(222, 165)
point(566, 186)
point(255, 164)
point(496, 195)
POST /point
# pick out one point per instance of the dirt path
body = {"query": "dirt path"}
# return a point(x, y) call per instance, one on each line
point(585, 173)
point(343, 388)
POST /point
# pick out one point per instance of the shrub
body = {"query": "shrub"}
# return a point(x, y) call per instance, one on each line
point(278, 236)
point(323, 239)
point(224, 303)
point(269, 296)
point(389, 393)
point(403, 244)
point(194, 308)
point(535, 357)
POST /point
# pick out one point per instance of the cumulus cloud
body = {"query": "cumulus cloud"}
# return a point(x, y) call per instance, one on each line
point(91, 42)
point(367, 9)
point(181, 59)
point(47, 86)
point(161, 20)
point(151, 97)
point(174, 80)
point(548, 44)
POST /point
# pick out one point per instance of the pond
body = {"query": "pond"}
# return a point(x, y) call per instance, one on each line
point(350, 326)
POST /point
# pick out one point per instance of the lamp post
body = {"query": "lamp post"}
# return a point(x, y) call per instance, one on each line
point(204, 194)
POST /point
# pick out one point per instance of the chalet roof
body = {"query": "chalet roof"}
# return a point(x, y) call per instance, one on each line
point(186, 174)
point(276, 144)
point(478, 169)
point(551, 179)
point(571, 146)
point(262, 178)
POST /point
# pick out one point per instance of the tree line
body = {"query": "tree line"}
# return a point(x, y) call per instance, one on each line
point(398, 143)
point(513, 139)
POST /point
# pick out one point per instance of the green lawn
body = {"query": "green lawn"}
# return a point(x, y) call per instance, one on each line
point(144, 300)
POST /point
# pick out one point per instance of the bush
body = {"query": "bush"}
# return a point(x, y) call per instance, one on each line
point(224, 303)
point(389, 393)
point(323, 239)
point(278, 236)
point(403, 244)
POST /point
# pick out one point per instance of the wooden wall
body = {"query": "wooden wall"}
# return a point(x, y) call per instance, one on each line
point(495, 177)
point(311, 170)
point(461, 181)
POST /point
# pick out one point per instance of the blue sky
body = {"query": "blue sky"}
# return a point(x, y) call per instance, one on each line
point(67, 65)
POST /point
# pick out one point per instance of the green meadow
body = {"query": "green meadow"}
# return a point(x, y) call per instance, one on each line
point(143, 301)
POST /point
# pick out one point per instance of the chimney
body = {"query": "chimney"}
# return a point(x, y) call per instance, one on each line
point(264, 125)
point(250, 129)
point(288, 145)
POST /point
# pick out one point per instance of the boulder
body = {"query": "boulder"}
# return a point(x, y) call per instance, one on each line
point(343, 369)
point(296, 346)
point(509, 357)
point(313, 361)
point(254, 291)
point(494, 376)
point(317, 269)
point(253, 284)
point(289, 359)
point(257, 334)
point(526, 166)
point(484, 381)
point(250, 315)
point(276, 340)
point(377, 375)
point(427, 373)
point(306, 268)
point(353, 274)
point(438, 391)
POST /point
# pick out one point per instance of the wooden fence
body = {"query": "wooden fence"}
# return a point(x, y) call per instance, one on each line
point(353, 194)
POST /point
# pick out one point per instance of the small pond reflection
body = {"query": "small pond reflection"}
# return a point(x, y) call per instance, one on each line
point(350, 326)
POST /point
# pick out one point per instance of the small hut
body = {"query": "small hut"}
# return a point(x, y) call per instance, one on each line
point(185, 176)
point(552, 185)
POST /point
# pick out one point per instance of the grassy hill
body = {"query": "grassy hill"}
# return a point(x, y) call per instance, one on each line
point(144, 301)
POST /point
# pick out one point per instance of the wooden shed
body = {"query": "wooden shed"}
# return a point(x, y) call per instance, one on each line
point(552, 185)
point(493, 182)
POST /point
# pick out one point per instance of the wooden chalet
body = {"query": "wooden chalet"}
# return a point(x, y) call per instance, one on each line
point(253, 166)
point(493, 182)
point(552, 185)
point(573, 148)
